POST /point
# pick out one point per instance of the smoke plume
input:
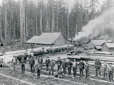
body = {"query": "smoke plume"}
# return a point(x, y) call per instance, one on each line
point(101, 25)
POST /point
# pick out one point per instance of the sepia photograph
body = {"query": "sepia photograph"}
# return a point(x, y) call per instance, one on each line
point(56, 42)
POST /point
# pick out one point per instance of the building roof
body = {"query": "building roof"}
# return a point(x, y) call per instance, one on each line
point(33, 39)
point(98, 42)
point(45, 38)
point(110, 45)
point(98, 47)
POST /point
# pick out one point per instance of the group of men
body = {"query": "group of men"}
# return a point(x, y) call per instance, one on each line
point(34, 66)
point(66, 67)
point(61, 67)
point(107, 69)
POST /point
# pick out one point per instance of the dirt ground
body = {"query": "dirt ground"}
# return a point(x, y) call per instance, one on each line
point(7, 81)
point(47, 80)
point(32, 79)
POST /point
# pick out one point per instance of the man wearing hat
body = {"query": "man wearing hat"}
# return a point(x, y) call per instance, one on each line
point(52, 64)
point(98, 67)
point(32, 63)
point(38, 69)
point(81, 67)
point(47, 62)
point(105, 69)
point(87, 69)
point(60, 72)
point(74, 67)
point(40, 60)
point(22, 65)
point(14, 62)
point(59, 63)
point(64, 65)
point(69, 67)
point(110, 72)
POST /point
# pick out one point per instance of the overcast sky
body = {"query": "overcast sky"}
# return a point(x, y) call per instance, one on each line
point(69, 2)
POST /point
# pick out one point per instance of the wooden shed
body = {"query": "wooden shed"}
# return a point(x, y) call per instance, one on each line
point(108, 47)
point(95, 44)
point(55, 38)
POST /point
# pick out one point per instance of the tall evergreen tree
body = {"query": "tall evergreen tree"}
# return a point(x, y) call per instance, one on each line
point(93, 5)
point(22, 20)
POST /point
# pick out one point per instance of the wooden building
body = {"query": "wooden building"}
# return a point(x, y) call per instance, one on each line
point(95, 44)
point(108, 47)
point(55, 38)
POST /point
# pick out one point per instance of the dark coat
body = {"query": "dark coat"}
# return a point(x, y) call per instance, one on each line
point(64, 64)
point(59, 62)
point(40, 61)
point(32, 62)
point(47, 62)
point(81, 65)
point(97, 64)
point(22, 64)
point(69, 64)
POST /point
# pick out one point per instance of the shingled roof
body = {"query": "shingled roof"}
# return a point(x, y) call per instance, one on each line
point(45, 38)
point(109, 45)
point(98, 42)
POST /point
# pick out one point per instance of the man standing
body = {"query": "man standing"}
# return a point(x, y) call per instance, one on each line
point(23, 65)
point(69, 67)
point(38, 69)
point(32, 63)
point(105, 69)
point(74, 68)
point(59, 62)
point(14, 61)
point(64, 66)
point(98, 67)
point(52, 64)
point(60, 72)
point(81, 67)
point(40, 60)
point(87, 69)
point(110, 72)
point(47, 62)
